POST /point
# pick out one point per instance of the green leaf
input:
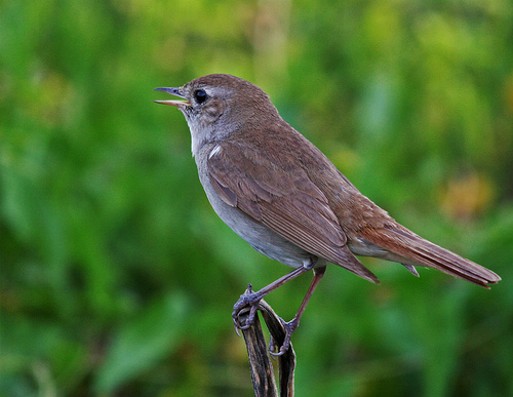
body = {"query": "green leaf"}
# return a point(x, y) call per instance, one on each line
point(143, 342)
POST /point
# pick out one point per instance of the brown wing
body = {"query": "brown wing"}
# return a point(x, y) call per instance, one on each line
point(284, 199)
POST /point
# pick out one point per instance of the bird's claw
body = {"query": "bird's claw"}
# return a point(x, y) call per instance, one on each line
point(289, 328)
point(247, 301)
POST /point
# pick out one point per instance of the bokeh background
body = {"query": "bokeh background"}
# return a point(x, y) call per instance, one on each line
point(117, 279)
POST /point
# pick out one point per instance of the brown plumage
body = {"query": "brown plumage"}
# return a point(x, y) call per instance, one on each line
point(286, 198)
point(304, 198)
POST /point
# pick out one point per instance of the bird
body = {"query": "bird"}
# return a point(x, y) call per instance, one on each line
point(280, 193)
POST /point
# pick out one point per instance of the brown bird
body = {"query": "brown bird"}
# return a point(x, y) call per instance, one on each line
point(281, 194)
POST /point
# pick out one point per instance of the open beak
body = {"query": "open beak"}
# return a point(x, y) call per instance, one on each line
point(171, 102)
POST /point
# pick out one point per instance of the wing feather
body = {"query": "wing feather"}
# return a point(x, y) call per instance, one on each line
point(284, 200)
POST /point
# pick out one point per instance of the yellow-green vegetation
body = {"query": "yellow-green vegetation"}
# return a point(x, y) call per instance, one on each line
point(116, 277)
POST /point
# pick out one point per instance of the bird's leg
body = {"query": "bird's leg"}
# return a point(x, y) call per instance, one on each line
point(251, 299)
point(291, 325)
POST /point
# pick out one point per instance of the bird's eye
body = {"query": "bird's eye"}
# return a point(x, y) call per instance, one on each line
point(200, 96)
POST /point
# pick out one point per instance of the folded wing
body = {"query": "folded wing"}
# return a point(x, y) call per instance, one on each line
point(284, 199)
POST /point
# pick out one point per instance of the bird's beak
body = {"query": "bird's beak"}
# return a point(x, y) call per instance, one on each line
point(170, 102)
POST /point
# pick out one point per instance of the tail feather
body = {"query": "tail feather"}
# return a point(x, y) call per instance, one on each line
point(414, 250)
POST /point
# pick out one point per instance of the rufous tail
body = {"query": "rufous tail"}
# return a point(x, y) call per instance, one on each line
point(412, 249)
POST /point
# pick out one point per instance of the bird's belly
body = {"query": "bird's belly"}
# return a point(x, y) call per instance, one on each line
point(260, 237)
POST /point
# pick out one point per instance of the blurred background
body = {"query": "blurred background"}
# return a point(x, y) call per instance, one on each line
point(117, 278)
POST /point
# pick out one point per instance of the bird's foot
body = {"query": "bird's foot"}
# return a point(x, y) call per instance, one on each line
point(289, 328)
point(249, 300)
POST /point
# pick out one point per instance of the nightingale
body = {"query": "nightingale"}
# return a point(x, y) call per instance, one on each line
point(282, 195)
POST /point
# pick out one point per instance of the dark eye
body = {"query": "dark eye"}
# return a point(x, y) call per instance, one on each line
point(200, 96)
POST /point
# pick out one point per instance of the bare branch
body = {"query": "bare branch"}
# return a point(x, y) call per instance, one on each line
point(262, 373)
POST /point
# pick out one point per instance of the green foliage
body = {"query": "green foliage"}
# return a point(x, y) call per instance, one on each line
point(117, 279)
point(141, 344)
